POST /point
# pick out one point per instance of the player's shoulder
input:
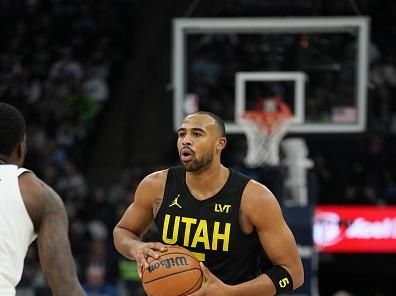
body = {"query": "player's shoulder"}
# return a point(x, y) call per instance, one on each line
point(156, 178)
point(154, 181)
point(258, 199)
point(151, 187)
point(254, 187)
point(256, 193)
point(30, 185)
point(32, 191)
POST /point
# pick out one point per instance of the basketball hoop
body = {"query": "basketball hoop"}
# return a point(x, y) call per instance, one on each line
point(264, 131)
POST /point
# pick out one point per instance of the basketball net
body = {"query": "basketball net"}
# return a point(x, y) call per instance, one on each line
point(264, 130)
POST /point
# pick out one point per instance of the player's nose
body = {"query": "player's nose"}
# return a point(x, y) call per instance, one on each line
point(187, 140)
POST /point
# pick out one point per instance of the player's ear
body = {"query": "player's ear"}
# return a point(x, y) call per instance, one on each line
point(221, 143)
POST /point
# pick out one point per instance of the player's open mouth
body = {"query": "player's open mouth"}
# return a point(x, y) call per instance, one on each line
point(186, 154)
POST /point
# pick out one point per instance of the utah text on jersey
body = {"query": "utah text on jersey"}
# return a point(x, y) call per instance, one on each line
point(196, 231)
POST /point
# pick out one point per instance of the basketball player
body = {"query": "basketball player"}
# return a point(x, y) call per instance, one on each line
point(222, 216)
point(28, 209)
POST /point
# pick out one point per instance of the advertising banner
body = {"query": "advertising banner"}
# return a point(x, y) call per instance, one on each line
point(355, 229)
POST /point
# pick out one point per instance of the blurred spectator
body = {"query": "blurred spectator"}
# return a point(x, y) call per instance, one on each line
point(57, 60)
point(342, 293)
point(98, 255)
point(121, 191)
point(67, 69)
point(96, 88)
point(96, 284)
point(99, 208)
point(73, 187)
point(72, 181)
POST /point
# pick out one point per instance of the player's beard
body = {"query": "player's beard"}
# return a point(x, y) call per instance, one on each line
point(198, 164)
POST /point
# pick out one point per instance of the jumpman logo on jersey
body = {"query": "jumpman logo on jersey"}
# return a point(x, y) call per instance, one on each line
point(175, 202)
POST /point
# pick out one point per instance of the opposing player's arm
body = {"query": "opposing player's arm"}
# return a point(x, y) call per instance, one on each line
point(54, 247)
point(138, 218)
point(50, 219)
point(263, 212)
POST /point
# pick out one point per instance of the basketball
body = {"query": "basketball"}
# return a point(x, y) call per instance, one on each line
point(175, 273)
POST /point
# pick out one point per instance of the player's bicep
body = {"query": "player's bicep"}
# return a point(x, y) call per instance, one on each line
point(53, 243)
point(274, 234)
point(278, 241)
point(139, 215)
point(136, 219)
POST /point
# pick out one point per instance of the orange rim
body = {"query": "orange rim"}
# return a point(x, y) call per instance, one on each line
point(269, 121)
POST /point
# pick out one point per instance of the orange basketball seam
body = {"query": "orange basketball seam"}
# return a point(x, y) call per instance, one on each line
point(166, 253)
point(159, 278)
point(199, 280)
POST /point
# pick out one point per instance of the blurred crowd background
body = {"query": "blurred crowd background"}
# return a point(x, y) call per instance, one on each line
point(92, 79)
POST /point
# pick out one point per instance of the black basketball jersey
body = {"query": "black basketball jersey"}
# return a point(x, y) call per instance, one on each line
point(210, 228)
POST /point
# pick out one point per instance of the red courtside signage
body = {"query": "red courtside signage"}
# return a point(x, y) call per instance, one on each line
point(355, 229)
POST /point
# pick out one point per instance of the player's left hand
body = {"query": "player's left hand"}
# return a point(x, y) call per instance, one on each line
point(213, 286)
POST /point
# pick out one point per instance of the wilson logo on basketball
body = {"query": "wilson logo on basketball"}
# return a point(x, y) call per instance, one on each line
point(168, 263)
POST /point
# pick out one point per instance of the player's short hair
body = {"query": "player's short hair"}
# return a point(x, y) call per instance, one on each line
point(12, 128)
point(219, 122)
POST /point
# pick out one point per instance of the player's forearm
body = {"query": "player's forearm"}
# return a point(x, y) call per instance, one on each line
point(58, 265)
point(54, 249)
point(125, 242)
point(263, 285)
point(260, 286)
point(61, 272)
point(74, 288)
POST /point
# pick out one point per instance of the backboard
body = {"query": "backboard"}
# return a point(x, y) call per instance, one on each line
point(318, 65)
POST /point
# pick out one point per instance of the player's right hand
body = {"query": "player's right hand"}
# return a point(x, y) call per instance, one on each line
point(144, 253)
